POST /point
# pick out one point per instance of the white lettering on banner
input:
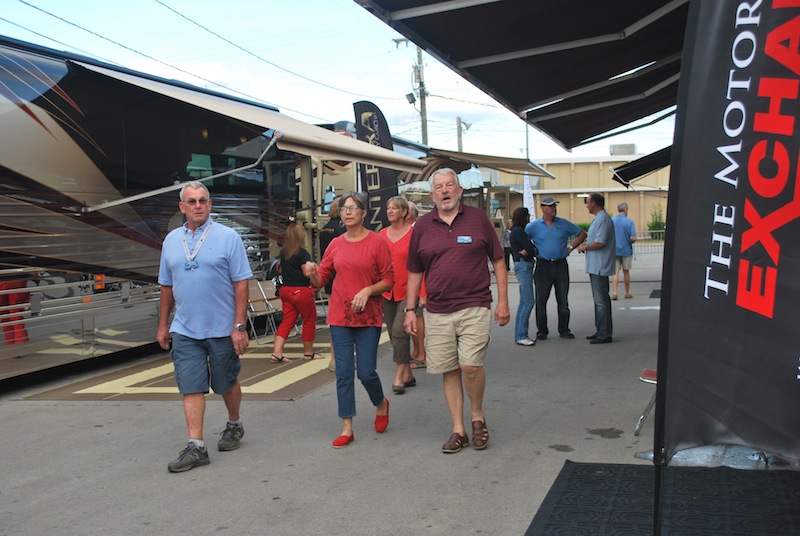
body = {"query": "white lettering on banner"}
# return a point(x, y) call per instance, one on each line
point(749, 19)
point(724, 174)
point(721, 248)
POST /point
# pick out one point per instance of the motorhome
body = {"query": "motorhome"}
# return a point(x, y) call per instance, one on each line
point(91, 161)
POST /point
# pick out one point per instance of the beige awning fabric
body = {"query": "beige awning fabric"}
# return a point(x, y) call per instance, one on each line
point(509, 165)
point(458, 162)
point(296, 136)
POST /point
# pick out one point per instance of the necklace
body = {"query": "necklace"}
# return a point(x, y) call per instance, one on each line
point(191, 264)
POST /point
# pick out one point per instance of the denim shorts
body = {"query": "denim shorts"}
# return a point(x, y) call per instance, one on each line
point(200, 362)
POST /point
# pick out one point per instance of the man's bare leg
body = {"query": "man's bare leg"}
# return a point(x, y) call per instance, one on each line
point(454, 397)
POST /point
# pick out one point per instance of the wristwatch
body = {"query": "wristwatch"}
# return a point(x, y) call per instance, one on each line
point(240, 327)
point(408, 309)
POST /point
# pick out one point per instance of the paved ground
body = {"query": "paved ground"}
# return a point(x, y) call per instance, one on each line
point(99, 467)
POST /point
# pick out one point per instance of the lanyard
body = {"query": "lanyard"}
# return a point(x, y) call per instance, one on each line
point(191, 264)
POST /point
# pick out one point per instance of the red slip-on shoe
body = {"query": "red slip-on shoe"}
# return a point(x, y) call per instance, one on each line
point(343, 440)
point(382, 421)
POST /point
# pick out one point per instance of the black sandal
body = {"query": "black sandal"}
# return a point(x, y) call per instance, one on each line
point(281, 359)
point(314, 355)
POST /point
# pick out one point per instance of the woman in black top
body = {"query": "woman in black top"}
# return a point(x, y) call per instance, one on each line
point(331, 230)
point(296, 294)
point(523, 252)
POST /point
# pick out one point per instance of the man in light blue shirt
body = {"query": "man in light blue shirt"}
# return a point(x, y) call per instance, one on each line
point(625, 231)
point(600, 248)
point(550, 234)
point(203, 275)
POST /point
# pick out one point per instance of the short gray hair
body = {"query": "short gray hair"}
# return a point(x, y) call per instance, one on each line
point(444, 171)
point(194, 184)
point(360, 199)
point(413, 210)
point(622, 207)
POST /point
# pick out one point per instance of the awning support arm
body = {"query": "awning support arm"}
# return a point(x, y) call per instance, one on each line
point(179, 185)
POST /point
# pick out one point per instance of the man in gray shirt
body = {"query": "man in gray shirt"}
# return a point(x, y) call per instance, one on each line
point(601, 259)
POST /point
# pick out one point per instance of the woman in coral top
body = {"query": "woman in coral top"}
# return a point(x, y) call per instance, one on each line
point(398, 236)
point(363, 267)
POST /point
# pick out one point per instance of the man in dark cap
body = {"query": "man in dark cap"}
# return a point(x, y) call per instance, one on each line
point(550, 234)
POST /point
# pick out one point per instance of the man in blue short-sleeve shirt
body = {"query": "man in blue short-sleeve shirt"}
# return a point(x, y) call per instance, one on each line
point(625, 233)
point(550, 235)
point(600, 248)
point(203, 275)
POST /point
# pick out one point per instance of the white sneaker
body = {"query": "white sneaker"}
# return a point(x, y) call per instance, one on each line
point(525, 342)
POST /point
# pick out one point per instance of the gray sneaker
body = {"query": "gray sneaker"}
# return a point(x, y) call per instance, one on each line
point(190, 457)
point(230, 437)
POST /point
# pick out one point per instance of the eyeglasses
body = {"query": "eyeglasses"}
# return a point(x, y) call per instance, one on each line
point(446, 186)
point(202, 201)
point(349, 208)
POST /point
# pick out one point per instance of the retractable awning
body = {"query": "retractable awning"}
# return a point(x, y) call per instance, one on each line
point(296, 136)
point(573, 69)
point(517, 166)
point(640, 167)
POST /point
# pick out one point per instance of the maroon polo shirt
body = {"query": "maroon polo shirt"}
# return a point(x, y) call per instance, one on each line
point(454, 259)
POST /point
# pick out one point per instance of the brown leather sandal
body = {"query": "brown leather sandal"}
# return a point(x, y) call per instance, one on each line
point(455, 443)
point(480, 434)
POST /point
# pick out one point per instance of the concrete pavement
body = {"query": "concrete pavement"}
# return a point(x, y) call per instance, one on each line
point(99, 468)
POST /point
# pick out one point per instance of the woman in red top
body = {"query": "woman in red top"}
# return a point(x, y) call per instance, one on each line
point(363, 268)
point(398, 236)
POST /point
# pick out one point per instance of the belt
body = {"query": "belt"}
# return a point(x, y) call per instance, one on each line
point(542, 259)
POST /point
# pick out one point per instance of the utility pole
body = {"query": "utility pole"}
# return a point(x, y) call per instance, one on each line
point(461, 126)
point(423, 108)
point(419, 79)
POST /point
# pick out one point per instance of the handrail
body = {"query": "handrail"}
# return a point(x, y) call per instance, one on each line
point(125, 200)
point(39, 310)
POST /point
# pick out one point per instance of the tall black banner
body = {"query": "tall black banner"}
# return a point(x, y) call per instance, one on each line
point(379, 183)
point(729, 346)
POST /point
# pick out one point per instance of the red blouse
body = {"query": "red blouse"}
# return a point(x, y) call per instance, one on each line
point(399, 251)
point(357, 265)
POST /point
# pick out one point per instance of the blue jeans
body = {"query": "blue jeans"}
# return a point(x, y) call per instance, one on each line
point(524, 272)
point(602, 306)
point(364, 341)
point(546, 276)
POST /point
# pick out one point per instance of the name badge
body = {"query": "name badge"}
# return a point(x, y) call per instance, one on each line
point(464, 240)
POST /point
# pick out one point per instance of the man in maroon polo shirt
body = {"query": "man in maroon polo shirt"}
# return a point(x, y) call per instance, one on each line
point(450, 246)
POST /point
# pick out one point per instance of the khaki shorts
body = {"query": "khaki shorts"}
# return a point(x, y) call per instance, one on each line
point(456, 339)
point(624, 263)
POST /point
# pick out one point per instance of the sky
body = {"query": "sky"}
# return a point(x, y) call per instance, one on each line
point(309, 58)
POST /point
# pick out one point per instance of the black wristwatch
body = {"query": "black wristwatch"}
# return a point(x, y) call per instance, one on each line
point(409, 309)
point(240, 327)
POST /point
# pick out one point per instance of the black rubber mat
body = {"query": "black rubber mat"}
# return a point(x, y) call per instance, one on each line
point(608, 499)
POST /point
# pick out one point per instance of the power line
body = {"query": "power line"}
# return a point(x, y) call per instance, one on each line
point(218, 84)
point(465, 101)
point(34, 32)
point(189, 19)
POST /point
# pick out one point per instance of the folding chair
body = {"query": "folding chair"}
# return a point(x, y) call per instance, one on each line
point(259, 306)
point(647, 376)
point(274, 301)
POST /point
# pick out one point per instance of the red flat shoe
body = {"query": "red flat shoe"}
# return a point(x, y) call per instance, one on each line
point(343, 440)
point(382, 421)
